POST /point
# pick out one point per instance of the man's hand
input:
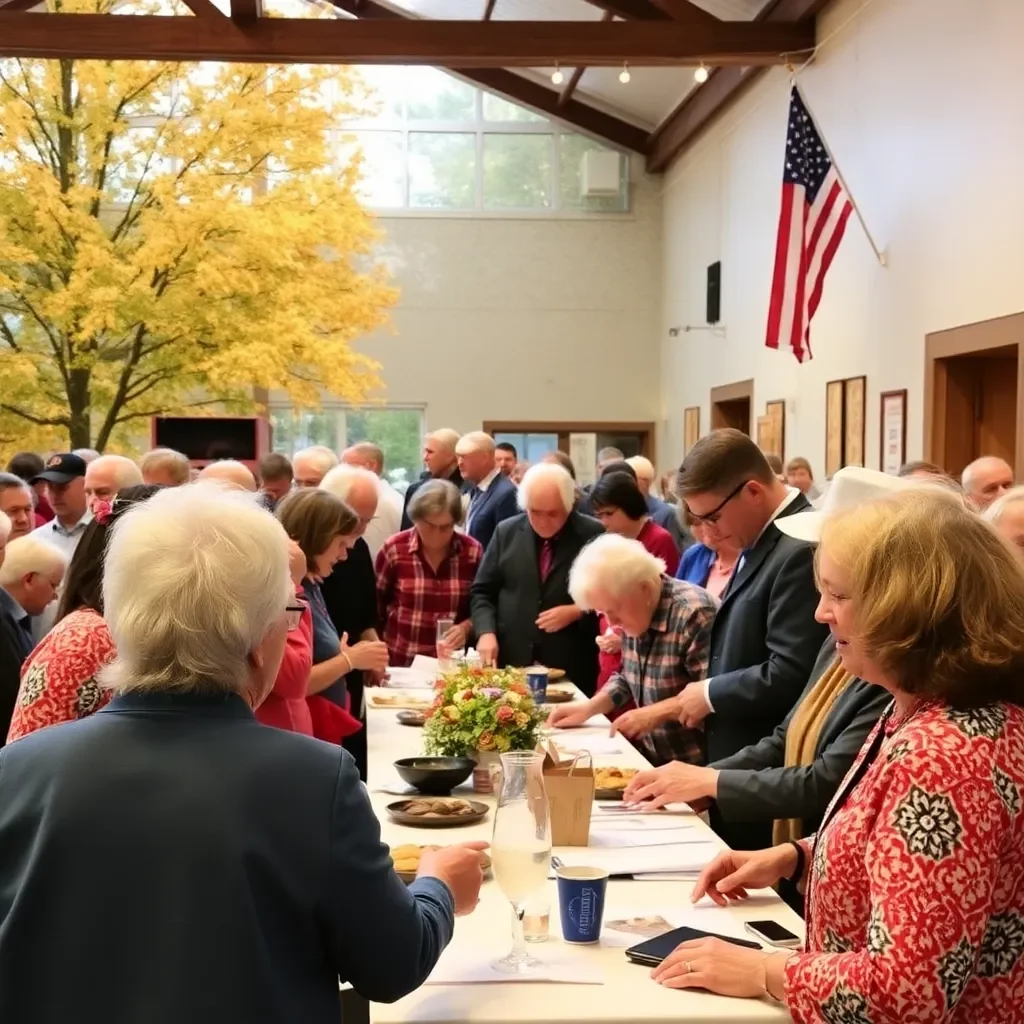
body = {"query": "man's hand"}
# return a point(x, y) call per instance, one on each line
point(672, 783)
point(555, 619)
point(570, 716)
point(692, 706)
point(487, 648)
point(459, 868)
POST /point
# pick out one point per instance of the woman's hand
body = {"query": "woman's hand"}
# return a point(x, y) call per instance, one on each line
point(638, 722)
point(609, 643)
point(367, 655)
point(570, 716)
point(731, 874)
point(716, 966)
point(675, 782)
point(456, 637)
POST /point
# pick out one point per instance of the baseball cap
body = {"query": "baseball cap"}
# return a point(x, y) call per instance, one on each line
point(850, 486)
point(62, 469)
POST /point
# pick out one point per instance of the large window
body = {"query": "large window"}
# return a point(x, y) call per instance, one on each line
point(433, 142)
point(399, 432)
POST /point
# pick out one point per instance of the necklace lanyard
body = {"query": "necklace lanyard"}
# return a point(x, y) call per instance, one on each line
point(643, 665)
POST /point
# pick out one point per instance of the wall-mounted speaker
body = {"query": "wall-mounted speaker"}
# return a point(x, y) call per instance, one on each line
point(714, 298)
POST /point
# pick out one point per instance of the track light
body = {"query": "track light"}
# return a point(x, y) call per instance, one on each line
point(700, 76)
point(624, 75)
point(557, 78)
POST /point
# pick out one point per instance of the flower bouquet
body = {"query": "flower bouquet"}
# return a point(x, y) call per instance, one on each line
point(481, 713)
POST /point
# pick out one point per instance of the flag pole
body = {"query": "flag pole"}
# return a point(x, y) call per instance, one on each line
point(880, 254)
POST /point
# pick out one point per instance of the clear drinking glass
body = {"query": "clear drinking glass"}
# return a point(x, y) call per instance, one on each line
point(445, 655)
point(521, 846)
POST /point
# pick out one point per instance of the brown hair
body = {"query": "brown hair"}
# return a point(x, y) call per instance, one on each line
point(313, 518)
point(720, 462)
point(799, 462)
point(939, 596)
point(559, 458)
point(275, 466)
point(775, 462)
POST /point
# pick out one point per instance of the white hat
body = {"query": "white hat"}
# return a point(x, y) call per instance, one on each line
point(849, 487)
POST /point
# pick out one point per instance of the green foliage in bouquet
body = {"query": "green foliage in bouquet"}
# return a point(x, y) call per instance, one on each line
point(482, 709)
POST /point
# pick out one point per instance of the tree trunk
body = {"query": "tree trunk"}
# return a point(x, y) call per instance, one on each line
point(80, 409)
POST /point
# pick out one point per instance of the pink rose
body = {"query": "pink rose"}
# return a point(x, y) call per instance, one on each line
point(505, 714)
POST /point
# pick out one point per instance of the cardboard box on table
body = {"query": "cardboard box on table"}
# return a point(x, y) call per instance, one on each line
point(570, 788)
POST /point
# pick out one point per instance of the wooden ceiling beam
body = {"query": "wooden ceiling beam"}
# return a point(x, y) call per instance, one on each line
point(10, 6)
point(489, 9)
point(204, 9)
point(725, 84)
point(414, 41)
point(244, 12)
point(631, 10)
point(683, 10)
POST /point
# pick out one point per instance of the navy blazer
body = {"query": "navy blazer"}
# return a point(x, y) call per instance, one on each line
point(169, 860)
point(455, 478)
point(499, 502)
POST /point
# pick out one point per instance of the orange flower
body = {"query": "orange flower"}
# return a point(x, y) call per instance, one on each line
point(486, 741)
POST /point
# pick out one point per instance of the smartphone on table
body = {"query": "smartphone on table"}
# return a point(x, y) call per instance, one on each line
point(774, 934)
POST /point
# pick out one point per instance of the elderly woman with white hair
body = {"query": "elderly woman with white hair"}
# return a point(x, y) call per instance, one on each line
point(237, 870)
point(520, 604)
point(1006, 514)
point(667, 642)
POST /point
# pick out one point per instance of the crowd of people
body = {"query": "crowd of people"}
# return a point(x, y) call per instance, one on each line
point(834, 676)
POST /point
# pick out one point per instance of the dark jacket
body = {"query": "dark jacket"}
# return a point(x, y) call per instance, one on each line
point(665, 515)
point(14, 648)
point(507, 596)
point(455, 478)
point(498, 503)
point(181, 863)
point(765, 640)
point(754, 787)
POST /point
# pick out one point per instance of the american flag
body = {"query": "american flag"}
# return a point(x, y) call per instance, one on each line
point(815, 209)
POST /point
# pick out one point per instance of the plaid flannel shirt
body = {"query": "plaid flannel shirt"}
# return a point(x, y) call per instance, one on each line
point(657, 665)
point(412, 597)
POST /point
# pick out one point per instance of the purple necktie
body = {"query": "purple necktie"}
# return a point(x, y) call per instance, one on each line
point(547, 556)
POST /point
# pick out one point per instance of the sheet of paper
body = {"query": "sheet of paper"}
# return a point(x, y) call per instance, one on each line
point(421, 663)
point(641, 824)
point(633, 860)
point(615, 838)
point(558, 967)
point(571, 743)
point(410, 678)
point(617, 809)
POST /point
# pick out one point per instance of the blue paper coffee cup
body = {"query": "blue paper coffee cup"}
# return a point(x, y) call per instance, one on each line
point(537, 681)
point(581, 893)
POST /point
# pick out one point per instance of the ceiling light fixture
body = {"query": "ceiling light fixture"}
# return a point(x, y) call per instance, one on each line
point(557, 78)
point(624, 75)
point(701, 75)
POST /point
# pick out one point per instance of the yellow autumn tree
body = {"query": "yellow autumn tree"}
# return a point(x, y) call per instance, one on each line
point(173, 236)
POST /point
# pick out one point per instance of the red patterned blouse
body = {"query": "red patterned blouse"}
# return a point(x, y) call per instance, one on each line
point(58, 679)
point(915, 907)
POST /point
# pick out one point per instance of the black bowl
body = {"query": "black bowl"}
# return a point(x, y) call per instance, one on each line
point(437, 776)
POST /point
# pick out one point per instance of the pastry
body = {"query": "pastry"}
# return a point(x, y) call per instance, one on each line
point(437, 808)
point(398, 699)
point(613, 778)
point(407, 858)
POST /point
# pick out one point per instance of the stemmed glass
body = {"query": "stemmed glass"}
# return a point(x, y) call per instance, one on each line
point(521, 846)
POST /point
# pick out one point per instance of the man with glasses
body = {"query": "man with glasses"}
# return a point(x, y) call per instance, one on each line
point(765, 639)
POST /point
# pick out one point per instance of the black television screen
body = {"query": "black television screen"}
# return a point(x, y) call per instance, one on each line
point(203, 440)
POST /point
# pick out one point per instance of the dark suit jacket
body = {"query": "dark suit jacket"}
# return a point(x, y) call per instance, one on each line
point(665, 515)
point(764, 641)
point(754, 786)
point(12, 656)
point(498, 503)
point(184, 864)
point(455, 478)
point(507, 596)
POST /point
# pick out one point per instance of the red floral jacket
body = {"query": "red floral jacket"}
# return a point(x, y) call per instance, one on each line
point(915, 904)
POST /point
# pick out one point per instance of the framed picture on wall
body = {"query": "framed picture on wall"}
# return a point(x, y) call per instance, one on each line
point(892, 431)
point(777, 411)
point(834, 429)
point(854, 407)
point(691, 427)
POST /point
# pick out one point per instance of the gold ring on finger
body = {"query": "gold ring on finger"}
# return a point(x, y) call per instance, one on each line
point(688, 966)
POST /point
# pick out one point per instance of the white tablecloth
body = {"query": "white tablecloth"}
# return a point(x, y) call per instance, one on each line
point(627, 995)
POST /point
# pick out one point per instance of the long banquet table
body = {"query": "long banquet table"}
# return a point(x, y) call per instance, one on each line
point(627, 994)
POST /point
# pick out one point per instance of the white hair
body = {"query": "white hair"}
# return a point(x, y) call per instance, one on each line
point(26, 555)
point(445, 437)
point(547, 474)
point(168, 461)
point(193, 580)
point(87, 455)
point(5, 525)
point(642, 466)
point(126, 473)
point(613, 565)
point(321, 457)
point(475, 441)
point(231, 473)
point(1001, 505)
point(341, 480)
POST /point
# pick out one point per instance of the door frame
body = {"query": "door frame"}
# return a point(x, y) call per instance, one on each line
point(964, 341)
point(733, 392)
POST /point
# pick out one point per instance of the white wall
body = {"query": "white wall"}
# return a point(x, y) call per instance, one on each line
point(526, 319)
point(922, 104)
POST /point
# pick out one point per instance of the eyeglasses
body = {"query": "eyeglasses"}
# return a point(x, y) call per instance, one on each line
point(710, 518)
point(294, 613)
